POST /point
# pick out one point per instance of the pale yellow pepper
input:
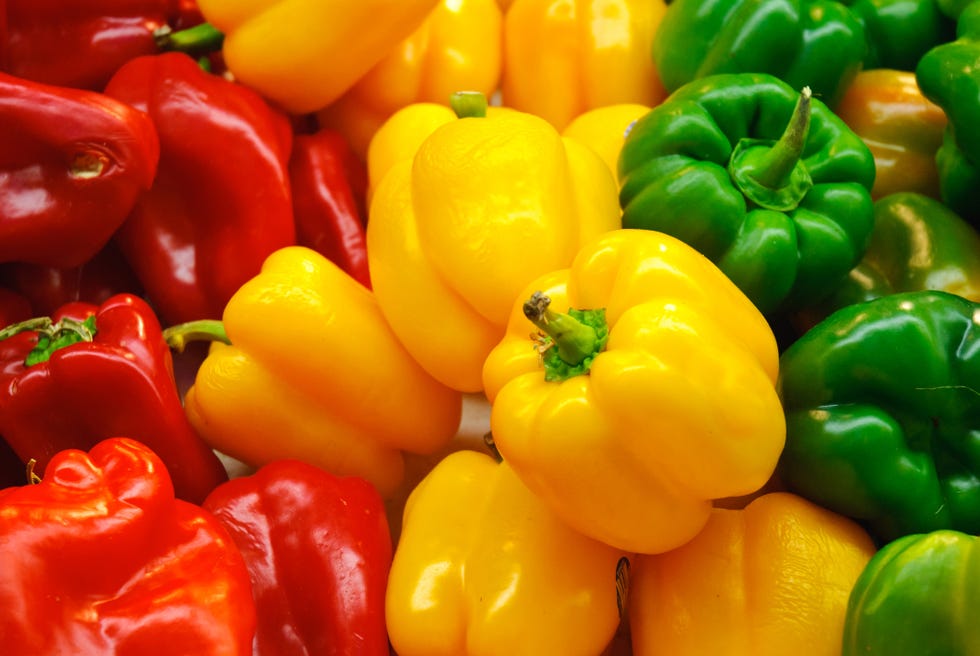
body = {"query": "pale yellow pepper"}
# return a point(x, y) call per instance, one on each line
point(630, 434)
point(483, 568)
point(457, 48)
point(770, 580)
point(564, 57)
point(484, 206)
point(303, 54)
point(605, 128)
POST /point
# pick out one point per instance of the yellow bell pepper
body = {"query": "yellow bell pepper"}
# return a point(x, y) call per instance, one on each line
point(769, 580)
point(483, 567)
point(314, 372)
point(604, 129)
point(563, 57)
point(457, 47)
point(303, 54)
point(652, 396)
point(485, 205)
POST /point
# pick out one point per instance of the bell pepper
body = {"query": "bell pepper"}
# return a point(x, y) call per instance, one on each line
point(318, 551)
point(81, 44)
point(918, 243)
point(100, 558)
point(903, 129)
point(899, 32)
point(762, 179)
point(604, 129)
point(328, 183)
point(458, 46)
point(302, 54)
point(304, 366)
point(483, 567)
point(564, 57)
point(949, 76)
point(221, 200)
point(767, 580)
point(71, 169)
point(649, 393)
point(90, 372)
point(880, 408)
point(915, 598)
point(445, 226)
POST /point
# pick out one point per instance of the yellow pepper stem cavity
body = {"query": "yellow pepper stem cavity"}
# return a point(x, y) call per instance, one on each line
point(570, 341)
point(469, 104)
point(209, 330)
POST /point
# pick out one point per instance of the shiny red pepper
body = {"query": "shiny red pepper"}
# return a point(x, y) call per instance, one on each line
point(81, 43)
point(115, 381)
point(100, 558)
point(318, 550)
point(329, 183)
point(72, 163)
point(221, 200)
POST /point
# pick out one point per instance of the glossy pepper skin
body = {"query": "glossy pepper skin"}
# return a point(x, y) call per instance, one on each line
point(949, 75)
point(902, 128)
point(565, 57)
point(767, 580)
point(299, 53)
point(880, 414)
point(914, 597)
point(918, 243)
point(81, 44)
point(899, 32)
point(678, 407)
point(766, 182)
point(318, 551)
point(483, 567)
point(118, 381)
point(100, 558)
point(445, 223)
point(313, 372)
point(328, 183)
point(604, 129)
point(458, 46)
point(72, 165)
point(221, 200)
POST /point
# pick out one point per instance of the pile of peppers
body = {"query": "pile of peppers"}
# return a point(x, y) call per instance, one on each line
point(469, 327)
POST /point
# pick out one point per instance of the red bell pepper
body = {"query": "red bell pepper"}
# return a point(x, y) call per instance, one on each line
point(328, 184)
point(318, 549)
point(72, 163)
point(71, 385)
point(81, 43)
point(100, 558)
point(221, 200)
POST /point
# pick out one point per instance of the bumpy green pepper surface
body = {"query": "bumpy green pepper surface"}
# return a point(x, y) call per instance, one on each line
point(949, 75)
point(882, 403)
point(917, 597)
point(770, 185)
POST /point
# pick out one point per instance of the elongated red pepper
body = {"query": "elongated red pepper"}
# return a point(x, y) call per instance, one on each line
point(72, 163)
point(221, 200)
point(100, 558)
point(318, 550)
point(329, 184)
point(80, 44)
point(81, 384)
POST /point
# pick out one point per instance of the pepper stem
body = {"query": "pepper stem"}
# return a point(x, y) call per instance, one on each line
point(51, 336)
point(775, 167)
point(468, 104)
point(568, 342)
point(203, 330)
point(198, 40)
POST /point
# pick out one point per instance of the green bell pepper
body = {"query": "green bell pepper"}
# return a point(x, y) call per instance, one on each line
point(949, 76)
point(766, 182)
point(883, 413)
point(917, 243)
point(899, 32)
point(916, 597)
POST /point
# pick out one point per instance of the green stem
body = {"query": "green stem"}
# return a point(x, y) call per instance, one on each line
point(39, 324)
point(468, 104)
point(773, 169)
point(197, 40)
point(203, 330)
point(574, 340)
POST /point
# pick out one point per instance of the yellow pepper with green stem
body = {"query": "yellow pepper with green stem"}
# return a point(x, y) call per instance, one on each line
point(651, 392)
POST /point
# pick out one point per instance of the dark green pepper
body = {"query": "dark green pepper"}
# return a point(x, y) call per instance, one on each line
point(899, 32)
point(916, 597)
point(949, 76)
point(774, 189)
point(917, 243)
point(882, 403)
